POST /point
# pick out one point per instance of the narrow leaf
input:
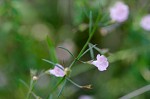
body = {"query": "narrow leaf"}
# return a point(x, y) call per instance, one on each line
point(54, 64)
point(71, 54)
point(90, 23)
point(85, 12)
point(87, 51)
point(52, 50)
point(24, 83)
point(101, 51)
point(67, 51)
point(91, 52)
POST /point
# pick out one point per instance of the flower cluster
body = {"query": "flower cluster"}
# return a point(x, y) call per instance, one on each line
point(119, 12)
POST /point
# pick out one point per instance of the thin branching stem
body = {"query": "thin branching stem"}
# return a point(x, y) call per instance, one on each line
point(30, 88)
point(87, 42)
point(26, 85)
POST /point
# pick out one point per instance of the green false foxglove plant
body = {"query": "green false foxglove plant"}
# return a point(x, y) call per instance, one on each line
point(101, 62)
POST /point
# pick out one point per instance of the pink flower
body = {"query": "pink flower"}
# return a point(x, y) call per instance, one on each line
point(101, 63)
point(58, 71)
point(145, 22)
point(119, 12)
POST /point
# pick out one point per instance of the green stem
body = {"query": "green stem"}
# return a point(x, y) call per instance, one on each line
point(87, 42)
point(30, 88)
point(24, 83)
point(55, 87)
point(86, 86)
point(63, 86)
point(73, 83)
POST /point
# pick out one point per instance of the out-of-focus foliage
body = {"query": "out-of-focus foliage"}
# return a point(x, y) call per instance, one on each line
point(25, 24)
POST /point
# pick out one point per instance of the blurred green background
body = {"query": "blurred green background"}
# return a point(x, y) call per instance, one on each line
point(25, 24)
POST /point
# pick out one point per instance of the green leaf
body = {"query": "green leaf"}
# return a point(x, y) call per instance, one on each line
point(24, 83)
point(71, 54)
point(52, 63)
point(87, 50)
point(67, 51)
point(101, 51)
point(91, 52)
point(85, 12)
point(90, 23)
point(52, 50)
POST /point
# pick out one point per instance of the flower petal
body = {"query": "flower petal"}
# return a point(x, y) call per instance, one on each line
point(95, 63)
point(98, 56)
point(101, 63)
point(58, 72)
point(102, 58)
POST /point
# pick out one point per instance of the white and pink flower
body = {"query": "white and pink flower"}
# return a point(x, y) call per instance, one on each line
point(101, 63)
point(58, 71)
point(145, 22)
point(119, 12)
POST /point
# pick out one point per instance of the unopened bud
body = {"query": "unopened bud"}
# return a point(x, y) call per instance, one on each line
point(35, 78)
point(87, 86)
point(67, 71)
